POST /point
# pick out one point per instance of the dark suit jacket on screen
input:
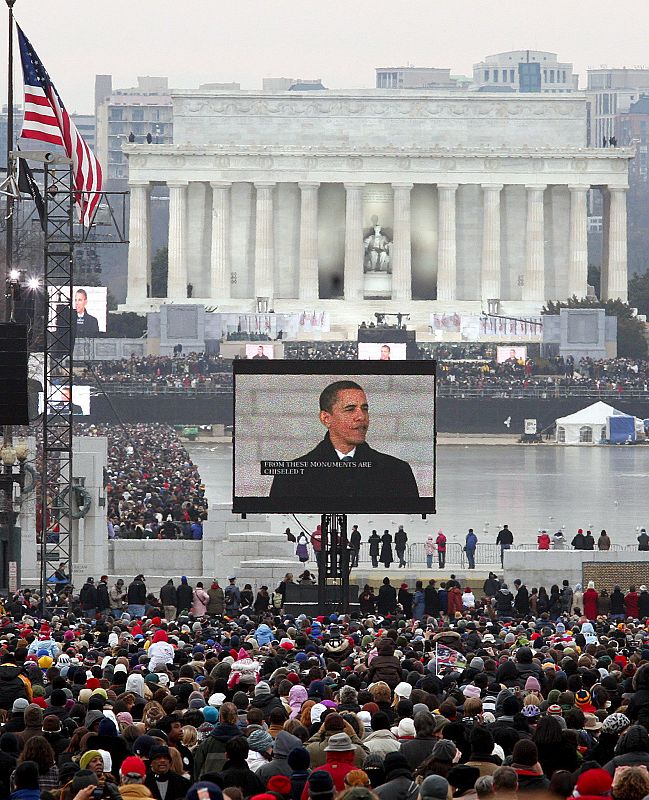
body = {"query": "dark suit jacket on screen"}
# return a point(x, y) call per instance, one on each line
point(386, 477)
point(89, 326)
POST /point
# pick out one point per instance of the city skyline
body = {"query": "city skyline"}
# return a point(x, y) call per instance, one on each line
point(339, 43)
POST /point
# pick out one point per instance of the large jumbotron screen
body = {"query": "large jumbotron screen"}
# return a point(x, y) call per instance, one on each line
point(334, 437)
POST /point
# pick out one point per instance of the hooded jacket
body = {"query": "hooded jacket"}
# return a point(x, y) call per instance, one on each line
point(264, 635)
point(209, 756)
point(168, 594)
point(278, 765)
point(184, 596)
point(632, 749)
point(13, 684)
point(385, 666)
point(216, 602)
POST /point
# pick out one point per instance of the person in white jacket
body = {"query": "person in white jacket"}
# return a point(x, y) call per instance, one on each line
point(468, 598)
point(160, 652)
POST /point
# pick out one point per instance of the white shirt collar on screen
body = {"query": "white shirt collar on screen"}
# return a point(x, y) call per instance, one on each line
point(346, 455)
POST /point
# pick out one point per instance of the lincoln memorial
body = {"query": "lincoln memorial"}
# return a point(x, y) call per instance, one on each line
point(412, 201)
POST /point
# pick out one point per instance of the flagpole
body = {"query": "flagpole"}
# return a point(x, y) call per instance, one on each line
point(9, 243)
point(9, 233)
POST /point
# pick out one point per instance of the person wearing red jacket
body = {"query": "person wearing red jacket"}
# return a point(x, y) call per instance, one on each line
point(590, 601)
point(543, 540)
point(454, 601)
point(631, 603)
point(340, 760)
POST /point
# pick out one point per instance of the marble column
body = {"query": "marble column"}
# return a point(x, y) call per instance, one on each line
point(534, 286)
point(220, 265)
point(354, 251)
point(616, 256)
point(446, 243)
point(578, 243)
point(177, 271)
point(308, 275)
point(264, 240)
point(139, 246)
point(401, 246)
point(490, 278)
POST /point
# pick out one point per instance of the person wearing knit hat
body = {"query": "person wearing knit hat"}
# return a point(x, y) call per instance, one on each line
point(583, 701)
point(615, 723)
point(91, 759)
point(299, 761)
point(433, 787)
point(525, 762)
point(594, 783)
point(444, 750)
point(260, 744)
point(320, 785)
point(471, 691)
point(281, 785)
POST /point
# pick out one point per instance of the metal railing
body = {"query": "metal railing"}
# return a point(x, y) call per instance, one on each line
point(444, 389)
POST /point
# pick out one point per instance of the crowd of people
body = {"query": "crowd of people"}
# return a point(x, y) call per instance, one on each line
point(458, 370)
point(154, 489)
point(188, 371)
point(199, 695)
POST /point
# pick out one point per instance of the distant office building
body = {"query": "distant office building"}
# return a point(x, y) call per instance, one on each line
point(633, 129)
point(292, 84)
point(87, 128)
point(18, 123)
point(140, 114)
point(416, 78)
point(525, 71)
point(610, 93)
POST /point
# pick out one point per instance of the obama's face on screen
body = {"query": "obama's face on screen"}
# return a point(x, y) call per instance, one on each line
point(348, 419)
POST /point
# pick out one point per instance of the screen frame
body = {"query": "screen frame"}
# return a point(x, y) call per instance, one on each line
point(348, 369)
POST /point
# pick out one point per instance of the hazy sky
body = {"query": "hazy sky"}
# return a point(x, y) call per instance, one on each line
point(340, 41)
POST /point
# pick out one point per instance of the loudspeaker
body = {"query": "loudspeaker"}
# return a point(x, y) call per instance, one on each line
point(13, 374)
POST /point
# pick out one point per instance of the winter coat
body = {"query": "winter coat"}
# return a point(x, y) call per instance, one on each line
point(374, 541)
point(386, 557)
point(209, 756)
point(387, 600)
point(400, 541)
point(385, 667)
point(530, 781)
point(504, 598)
point(631, 604)
point(136, 594)
point(566, 599)
point(417, 750)
point(431, 601)
point(201, 600)
point(168, 594)
point(88, 596)
point(617, 602)
point(382, 742)
point(522, 601)
point(643, 604)
point(184, 597)
point(116, 597)
point(238, 773)
point(338, 764)
point(13, 684)
point(177, 786)
point(418, 605)
point(454, 600)
point(317, 743)
point(553, 758)
point(216, 602)
point(399, 788)
point(278, 765)
point(103, 598)
point(405, 601)
point(590, 603)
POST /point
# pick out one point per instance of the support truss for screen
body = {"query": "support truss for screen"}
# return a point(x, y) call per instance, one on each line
point(333, 564)
point(60, 236)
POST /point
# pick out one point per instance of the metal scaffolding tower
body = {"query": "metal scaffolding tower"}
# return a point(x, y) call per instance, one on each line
point(56, 484)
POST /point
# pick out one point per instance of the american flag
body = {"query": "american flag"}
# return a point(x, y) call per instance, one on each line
point(46, 120)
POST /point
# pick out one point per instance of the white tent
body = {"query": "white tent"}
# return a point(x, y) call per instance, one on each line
point(588, 426)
